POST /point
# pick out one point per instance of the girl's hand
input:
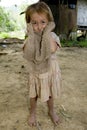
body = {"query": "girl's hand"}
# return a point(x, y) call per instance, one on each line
point(49, 27)
point(30, 30)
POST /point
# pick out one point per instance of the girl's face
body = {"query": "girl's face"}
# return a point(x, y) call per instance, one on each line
point(39, 21)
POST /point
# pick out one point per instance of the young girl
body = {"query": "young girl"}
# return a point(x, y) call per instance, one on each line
point(40, 51)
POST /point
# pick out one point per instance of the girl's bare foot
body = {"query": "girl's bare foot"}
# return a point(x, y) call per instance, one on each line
point(32, 120)
point(54, 117)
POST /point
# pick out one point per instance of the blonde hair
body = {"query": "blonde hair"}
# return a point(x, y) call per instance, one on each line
point(40, 8)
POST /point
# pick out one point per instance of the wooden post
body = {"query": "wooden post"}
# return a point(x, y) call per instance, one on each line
point(67, 19)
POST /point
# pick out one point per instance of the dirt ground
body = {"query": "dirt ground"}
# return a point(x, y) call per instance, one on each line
point(14, 105)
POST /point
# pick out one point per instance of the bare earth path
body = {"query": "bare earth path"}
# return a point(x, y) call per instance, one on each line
point(72, 107)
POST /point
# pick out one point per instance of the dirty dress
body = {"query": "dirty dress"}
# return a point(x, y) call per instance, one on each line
point(47, 84)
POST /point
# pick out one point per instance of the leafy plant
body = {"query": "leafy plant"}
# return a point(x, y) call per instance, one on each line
point(74, 43)
point(4, 35)
point(5, 23)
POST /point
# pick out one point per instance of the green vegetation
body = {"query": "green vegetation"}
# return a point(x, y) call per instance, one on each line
point(74, 43)
point(4, 35)
point(13, 34)
point(6, 24)
point(11, 23)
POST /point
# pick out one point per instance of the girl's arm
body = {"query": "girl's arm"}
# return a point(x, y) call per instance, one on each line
point(55, 42)
point(56, 38)
point(54, 45)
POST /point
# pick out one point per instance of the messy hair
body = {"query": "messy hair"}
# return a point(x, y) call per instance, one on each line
point(40, 8)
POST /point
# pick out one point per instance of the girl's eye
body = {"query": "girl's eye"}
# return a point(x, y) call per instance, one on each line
point(34, 23)
point(43, 22)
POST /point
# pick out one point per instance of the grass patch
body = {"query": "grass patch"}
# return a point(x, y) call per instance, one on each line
point(14, 34)
point(74, 43)
point(4, 35)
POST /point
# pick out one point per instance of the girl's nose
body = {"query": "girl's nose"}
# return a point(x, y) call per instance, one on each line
point(39, 27)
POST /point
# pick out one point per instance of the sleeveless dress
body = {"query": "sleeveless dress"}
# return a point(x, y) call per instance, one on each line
point(46, 84)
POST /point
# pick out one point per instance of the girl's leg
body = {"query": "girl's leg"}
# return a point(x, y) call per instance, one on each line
point(32, 118)
point(51, 112)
